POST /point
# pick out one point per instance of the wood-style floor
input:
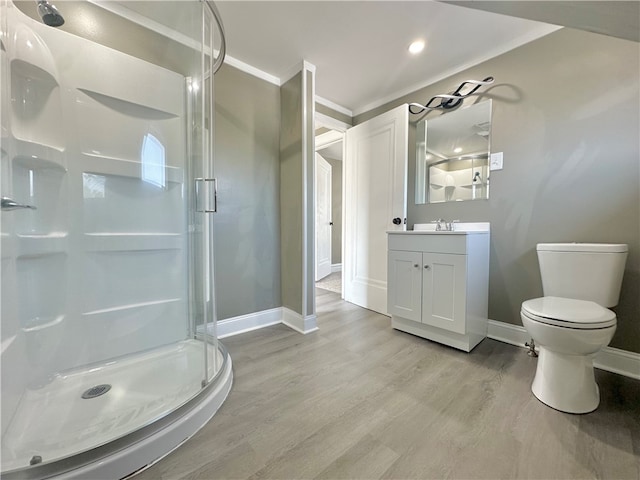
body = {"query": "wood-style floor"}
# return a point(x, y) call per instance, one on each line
point(358, 399)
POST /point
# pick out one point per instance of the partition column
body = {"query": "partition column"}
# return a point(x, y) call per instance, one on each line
point(297, 107)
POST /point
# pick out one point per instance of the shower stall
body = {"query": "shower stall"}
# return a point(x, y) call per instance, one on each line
point(109, 356)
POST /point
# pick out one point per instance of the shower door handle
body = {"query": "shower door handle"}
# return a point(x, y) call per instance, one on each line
point(210, 193)
point(9, 204)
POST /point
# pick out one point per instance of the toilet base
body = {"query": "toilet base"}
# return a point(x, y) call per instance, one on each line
point(566, 382)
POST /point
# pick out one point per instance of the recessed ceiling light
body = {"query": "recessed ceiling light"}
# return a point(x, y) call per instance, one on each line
point(416, 47)
point(457, 150)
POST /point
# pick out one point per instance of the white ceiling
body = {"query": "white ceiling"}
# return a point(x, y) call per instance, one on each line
point(359, 48)
point(609, 17)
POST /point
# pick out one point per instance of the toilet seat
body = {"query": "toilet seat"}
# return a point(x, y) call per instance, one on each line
point(568, 313)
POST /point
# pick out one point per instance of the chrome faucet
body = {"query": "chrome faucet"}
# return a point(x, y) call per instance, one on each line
point(9, 204)
point(443, 226)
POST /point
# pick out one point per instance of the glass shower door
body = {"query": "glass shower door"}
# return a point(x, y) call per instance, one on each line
point(107, 298)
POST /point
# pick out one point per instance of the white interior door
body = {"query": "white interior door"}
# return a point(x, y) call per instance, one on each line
point(323, 217)
point(375, 194)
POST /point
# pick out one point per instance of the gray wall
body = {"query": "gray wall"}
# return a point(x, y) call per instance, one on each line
point(566, 116)
point(247, 165)
point(291, 192)
point(336, 210)
point(330, 112)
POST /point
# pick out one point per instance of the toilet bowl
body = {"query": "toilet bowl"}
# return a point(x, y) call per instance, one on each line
point(568, 333)
point(571, 323)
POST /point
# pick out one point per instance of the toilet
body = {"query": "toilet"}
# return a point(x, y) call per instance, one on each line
point(571, 323)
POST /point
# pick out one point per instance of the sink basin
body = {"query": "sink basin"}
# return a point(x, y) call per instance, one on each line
point(457, 227)
point(424, 227)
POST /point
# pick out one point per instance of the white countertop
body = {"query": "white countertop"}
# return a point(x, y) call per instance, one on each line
point(472, 228)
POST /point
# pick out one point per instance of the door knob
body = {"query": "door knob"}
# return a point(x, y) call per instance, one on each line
point(397, 221)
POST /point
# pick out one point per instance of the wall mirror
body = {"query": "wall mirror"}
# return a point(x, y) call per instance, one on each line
point(452, 155)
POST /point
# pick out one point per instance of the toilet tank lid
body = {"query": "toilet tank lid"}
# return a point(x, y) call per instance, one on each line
point(583, 247)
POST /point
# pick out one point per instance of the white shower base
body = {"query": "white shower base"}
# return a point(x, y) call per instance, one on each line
point(56, 422)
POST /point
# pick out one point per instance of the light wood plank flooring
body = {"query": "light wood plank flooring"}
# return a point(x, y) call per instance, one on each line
point(358, 399)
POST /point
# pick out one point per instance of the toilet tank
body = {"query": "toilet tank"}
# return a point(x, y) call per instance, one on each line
point(585, 271)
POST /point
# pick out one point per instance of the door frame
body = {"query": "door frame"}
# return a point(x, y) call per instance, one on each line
point(322, 120)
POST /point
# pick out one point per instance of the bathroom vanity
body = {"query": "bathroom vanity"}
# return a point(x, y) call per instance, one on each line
point(438, 283)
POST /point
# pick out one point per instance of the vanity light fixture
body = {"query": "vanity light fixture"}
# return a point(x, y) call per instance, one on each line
point(449, 101)
point(416, 47)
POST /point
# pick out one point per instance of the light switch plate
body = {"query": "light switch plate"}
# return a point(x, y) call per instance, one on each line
point(496, 161)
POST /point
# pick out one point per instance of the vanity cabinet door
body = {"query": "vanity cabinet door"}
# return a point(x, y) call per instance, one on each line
point(404, 286)
point(444, 291)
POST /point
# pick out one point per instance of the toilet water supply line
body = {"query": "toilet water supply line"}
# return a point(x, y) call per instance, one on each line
point(447, 102)
point(532, 348)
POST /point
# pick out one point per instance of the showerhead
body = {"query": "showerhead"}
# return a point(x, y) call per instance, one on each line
point(49, 14)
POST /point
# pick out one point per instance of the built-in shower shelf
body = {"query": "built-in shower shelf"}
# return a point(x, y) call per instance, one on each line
point(102, 165)
point(36, 245)
point(6, 343)
point(44, 72)
point(24, 246)
point(114, 242)
point(34, 155)
point(131, 108)
point(126, 323)
point(42, 323)
point(34, 162)
point(121, 308)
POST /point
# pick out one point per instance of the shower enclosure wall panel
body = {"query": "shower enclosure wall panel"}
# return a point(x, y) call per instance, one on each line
point(34, 271)
point(127, 160)
point(94, 282)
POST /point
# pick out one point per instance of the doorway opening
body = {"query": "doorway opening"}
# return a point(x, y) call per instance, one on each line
point(328, 174)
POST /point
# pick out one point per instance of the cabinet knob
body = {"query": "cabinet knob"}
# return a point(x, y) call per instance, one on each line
point(427, 267)
point(416, 265)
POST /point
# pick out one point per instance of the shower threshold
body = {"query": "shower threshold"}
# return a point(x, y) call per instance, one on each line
point(55, 421)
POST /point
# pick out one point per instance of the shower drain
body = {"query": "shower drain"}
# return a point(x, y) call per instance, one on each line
point(96, 391)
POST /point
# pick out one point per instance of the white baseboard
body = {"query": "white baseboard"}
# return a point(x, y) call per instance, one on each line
point(266, 318)
point(336, 267)
point(297, 322)
point(507, 333)
point(251, 321)
point(618, 361)
point(609, 358)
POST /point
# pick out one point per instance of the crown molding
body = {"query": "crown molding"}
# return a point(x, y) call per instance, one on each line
point(333, 106)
